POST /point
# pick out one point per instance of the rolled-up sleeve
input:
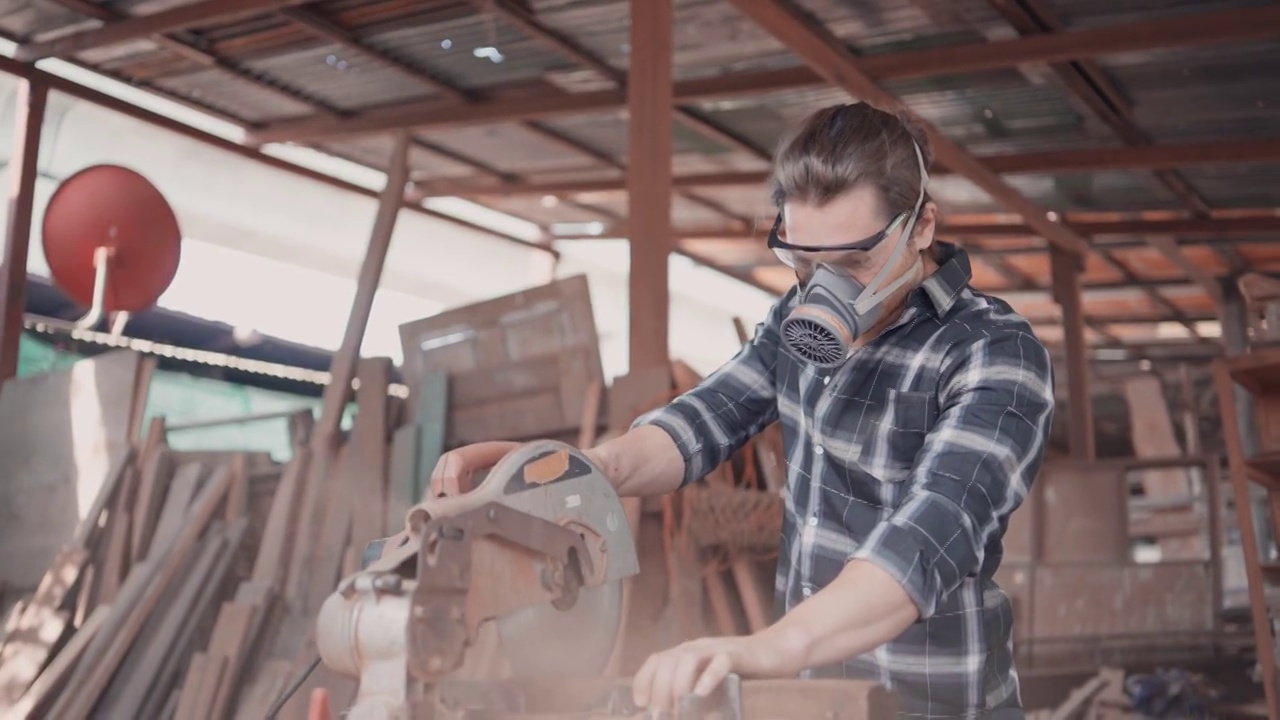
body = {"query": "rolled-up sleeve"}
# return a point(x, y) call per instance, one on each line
point(975, 468)
point(713, 420)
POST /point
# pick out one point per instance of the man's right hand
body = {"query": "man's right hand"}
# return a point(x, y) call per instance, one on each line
point(456, 469)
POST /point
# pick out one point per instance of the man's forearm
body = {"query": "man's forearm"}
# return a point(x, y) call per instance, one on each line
point(862, 609)
point(643, 461)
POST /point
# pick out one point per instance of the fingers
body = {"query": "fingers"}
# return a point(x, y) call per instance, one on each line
point(715, 673)
point(454, 470)
point(643, 679)
point(666, 677)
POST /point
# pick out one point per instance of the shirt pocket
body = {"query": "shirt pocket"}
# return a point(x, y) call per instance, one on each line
point(884, 434)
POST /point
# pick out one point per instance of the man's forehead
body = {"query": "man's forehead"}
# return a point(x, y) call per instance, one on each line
point(848, 218)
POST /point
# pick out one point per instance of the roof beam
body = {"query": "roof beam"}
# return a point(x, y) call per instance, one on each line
point(830, 58)
point(1208, 28)
point(183, 17)
point(958, 225)
point(1147, 157)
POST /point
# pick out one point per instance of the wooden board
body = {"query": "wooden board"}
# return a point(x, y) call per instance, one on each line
point(1088, 600)
point(519, 365)
point(1074, 513)
point(61, 433)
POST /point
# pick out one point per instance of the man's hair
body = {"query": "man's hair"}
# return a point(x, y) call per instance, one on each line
point(841, 146)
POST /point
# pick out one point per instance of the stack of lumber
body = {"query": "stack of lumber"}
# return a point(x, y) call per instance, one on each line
point(171, 566)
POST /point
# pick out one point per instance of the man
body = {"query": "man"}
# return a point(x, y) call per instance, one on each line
point(914, 412)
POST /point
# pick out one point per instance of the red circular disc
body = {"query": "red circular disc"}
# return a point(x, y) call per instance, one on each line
point(116, 207)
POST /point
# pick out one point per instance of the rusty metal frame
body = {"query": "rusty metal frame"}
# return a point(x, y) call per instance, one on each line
point(455, 591)
point(1132, 157)
point(28, 124)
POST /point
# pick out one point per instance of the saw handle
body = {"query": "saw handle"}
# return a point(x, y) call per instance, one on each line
point(455, 470)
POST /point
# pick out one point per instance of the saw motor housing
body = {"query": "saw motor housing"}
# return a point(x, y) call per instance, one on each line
point(542, 527)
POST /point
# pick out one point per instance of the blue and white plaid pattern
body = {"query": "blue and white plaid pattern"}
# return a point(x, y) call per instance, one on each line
point(911, 456)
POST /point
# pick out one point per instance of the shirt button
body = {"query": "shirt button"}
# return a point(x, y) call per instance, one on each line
point(807, 591)
point(826, 380)
point(813, 521)
point(817, 449)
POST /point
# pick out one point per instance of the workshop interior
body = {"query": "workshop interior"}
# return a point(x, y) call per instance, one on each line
point(266, 261)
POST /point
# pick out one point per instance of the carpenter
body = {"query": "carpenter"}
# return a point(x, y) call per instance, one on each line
point(915, 411)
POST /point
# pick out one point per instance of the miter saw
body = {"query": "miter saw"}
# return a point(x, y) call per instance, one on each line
point(541, 547)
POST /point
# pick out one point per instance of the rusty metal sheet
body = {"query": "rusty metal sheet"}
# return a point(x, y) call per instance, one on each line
point(1091, 600)
point(1083, 513)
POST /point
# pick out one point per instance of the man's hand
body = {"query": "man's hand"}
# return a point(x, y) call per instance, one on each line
point(699, 666)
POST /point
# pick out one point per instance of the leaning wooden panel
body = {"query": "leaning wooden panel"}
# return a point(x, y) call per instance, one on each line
point(519, 366)
point(1095, 600)
point(1083, 513)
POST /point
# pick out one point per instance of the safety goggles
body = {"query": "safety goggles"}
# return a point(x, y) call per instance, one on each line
point(801, 257)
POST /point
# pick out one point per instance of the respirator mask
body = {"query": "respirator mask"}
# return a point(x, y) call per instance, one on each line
point(833, 308)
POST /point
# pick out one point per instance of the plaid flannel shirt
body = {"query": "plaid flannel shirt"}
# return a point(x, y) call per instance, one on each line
point(911, 456)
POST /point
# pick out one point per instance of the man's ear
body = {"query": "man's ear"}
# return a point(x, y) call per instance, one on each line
point(926, 224)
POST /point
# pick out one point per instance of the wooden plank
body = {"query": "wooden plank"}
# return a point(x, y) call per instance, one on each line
point(1153, 435)
point(154, 580)
point(366, 471)
point(156, 645)
point(38, 630)
point(203, 676)
point(138, 673)
point(326, 557)
point(230, 641)
point(56, 673)
point(184, 646)
point(277, 536)
point(157, 472)
point(181, 491)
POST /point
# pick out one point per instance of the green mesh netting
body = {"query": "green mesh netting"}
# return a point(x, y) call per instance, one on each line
point(183, 398)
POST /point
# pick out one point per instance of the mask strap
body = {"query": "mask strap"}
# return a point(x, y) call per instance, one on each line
point(874, 293)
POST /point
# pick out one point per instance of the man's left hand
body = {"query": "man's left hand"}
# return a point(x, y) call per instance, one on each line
point(699, 666)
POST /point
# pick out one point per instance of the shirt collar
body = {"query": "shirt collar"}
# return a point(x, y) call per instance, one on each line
point(952, 276)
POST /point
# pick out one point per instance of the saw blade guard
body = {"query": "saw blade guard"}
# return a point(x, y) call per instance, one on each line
point(556, 482)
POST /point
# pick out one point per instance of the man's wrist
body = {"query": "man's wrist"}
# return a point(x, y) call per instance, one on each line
point(782, 648)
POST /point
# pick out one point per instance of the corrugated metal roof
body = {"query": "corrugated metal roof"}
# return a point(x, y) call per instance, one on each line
point(343, 79)
point(473, 53)
point(512, 147)
point(1236, 186)
point(1092, 13)
point(232, 96)
point(1218, 92)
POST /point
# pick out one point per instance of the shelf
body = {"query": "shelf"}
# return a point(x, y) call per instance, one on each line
point(1265, 469)
point(1258, 370)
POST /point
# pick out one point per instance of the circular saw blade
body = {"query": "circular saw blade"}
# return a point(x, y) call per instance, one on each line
point(541, 640)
